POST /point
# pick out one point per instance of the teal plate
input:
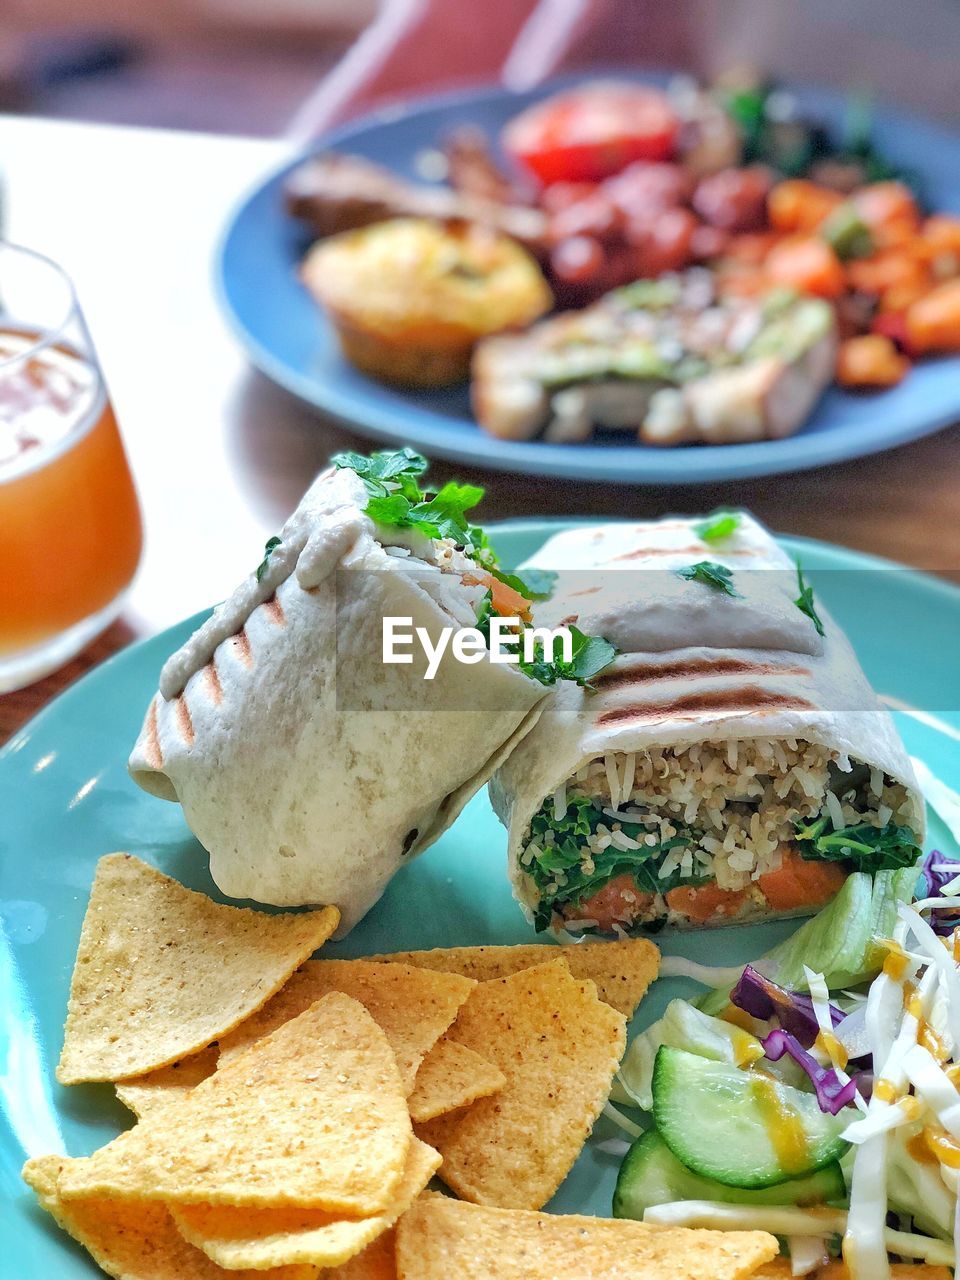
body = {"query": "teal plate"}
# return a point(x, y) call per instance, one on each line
point(66, 799)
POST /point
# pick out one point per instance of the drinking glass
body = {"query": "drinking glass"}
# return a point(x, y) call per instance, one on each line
point(70, 532)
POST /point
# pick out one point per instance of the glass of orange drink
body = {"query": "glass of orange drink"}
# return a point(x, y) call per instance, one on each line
point(70, 532)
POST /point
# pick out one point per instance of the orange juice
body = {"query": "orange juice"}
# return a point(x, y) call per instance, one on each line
point(70, 533)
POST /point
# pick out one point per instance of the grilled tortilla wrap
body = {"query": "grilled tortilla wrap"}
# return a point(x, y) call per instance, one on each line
point(732, 763)
point(308, 768)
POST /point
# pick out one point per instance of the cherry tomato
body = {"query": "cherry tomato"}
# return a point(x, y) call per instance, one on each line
point(708, 242)
point(591, 132)
point(734, 199)
point(662, 240)
point(644, 186)
point(577, 260)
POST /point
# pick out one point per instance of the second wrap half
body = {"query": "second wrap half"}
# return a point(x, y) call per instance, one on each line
point(733, 763)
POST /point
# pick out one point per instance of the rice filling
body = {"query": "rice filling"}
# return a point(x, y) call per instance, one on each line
point(630, 838)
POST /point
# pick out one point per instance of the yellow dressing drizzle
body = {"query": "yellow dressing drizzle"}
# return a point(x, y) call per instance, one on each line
point(783, 1124)
point(884, 1091)
point(919, 1149)
point(911, 1107)
point(897, 963)
point(737, 1018)
point(940, 1143)
point(828, 1043)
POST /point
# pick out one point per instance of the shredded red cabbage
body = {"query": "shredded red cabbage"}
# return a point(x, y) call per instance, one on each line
point(764, 999)
point(938, 870)
point(832, 1093)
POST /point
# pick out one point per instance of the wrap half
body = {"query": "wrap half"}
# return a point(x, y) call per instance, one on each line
point(309, 768)
point(733, 763)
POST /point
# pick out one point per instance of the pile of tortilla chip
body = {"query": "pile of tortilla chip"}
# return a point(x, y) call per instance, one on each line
point(291, 1111)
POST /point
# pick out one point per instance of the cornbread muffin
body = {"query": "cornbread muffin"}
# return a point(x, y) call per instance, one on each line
point(411, 297)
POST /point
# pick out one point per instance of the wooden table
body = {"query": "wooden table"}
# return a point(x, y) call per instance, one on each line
point(221, 456)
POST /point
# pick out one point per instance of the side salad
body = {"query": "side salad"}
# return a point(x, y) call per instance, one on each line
point(814, 1093)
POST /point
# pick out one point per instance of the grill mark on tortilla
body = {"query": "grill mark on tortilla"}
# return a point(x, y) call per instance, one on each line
point(184, 721)
point(641, 553)
point(151, 744)
point(214, 688)
point(274, 611)
point(649, 674)
point(241, 647)
point(745, 698)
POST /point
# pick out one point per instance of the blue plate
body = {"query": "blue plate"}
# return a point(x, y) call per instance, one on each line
point(289, 340)
point(66, 799)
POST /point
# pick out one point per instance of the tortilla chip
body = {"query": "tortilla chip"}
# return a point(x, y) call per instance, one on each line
point(621, 970)
point(558, 1044)
point(161, 971)
point(134, 1239)
point(439, 1238)
point(412, 1006)
point(157, 1088)
point(274, 1237)
point(312, 1115)
point(451, 1076)
point(377, 1262)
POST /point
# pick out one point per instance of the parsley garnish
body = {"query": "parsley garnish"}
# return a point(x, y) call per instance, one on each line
point(400, 467)
point(396, 498)
point(870, 848)
point(711, 574)
point(718, 525)
point(804, 601)
point(269, 548)
point(589, 654)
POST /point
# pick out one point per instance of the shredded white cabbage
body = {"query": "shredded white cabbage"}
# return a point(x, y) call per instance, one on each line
point(785, 1220)
point(807, 1253)
point(933, 1085)
point(621, 1121)
point(942, 799)
point(707, 975)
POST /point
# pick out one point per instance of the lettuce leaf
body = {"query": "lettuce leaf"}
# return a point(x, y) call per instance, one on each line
point(840, 941)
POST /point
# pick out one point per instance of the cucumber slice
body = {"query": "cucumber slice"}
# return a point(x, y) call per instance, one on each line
point(741, 1128)
point(652, 1174)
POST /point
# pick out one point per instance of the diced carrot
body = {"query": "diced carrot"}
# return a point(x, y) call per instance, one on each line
point(933, 322)
point(800, 205)
point(887, 270)
point(890, 212)
point(807, 264)
point(751, 247)
point(703, 903)
point(503, 598)
point(940, 242)
point(870, 360)
point(618, 902)
point(899, 297)
point(798, 883)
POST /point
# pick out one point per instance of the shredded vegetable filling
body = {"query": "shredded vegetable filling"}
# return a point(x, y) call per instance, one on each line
point(711, 832)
